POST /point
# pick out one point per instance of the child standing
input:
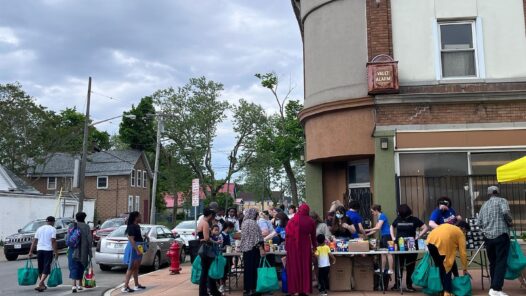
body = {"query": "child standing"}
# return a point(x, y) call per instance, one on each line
point(324, 256)
point(228, 227)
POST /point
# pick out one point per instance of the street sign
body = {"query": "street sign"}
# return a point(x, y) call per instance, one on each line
point(195, 192)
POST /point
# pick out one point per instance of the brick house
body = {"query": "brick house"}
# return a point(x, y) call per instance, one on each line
point(119, 181)
point(459, 111)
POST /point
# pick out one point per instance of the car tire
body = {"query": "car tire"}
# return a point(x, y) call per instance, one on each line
point(156, 264)
point(182, 257)
point(11, 257)
point(104, 267)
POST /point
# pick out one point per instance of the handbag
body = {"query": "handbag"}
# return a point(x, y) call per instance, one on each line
point(516, 259)
point(421, 272)
point(207, 250)
point(267, 280)
point(461, 286)
point(196, 271)
point(55, 276)
point(27, 275)
point(217, 268)
point(88, 279)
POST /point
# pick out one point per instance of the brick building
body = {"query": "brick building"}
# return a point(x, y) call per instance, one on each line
point(458, 113)
point(119, 181)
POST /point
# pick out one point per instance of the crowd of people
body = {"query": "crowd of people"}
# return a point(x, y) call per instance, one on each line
point(305, 236)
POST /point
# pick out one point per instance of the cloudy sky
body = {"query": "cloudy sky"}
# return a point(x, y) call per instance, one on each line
point(133, 48)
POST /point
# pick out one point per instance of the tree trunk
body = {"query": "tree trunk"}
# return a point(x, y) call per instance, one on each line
point(292, 181)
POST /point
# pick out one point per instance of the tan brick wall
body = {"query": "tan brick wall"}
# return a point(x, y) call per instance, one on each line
point(40, 184)
point(379, 28)
point(451, 113)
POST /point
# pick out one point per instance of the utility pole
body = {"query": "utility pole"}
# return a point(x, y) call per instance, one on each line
point(156, 169)
point(82, 171)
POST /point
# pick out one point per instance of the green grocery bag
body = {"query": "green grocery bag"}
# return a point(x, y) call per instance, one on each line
point(88, 279)
point(27, 275)
point(421, 272)
point(55, 277)
point(267, 280)
point(511, 275)
point(516, 259)
point(434, 282)
point(461, 286)
point(217, 268)
point(196, 271)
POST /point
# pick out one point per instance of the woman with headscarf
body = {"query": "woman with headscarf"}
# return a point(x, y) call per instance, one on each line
point(300, 241)
point(252, 248)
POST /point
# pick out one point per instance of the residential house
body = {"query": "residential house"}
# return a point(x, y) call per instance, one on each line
point(119, 181)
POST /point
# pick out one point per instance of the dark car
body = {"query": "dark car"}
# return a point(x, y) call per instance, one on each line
point(19, 244)
point(106, 228)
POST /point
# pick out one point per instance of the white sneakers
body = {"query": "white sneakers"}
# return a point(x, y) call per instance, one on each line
point(496, 293)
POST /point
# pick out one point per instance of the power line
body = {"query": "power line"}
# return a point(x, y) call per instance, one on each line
point(106, 96)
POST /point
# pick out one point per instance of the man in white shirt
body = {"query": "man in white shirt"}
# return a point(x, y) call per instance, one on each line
point(46, 242)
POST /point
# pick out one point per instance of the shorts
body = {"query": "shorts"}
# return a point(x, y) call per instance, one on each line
point(44, 259)
point(384, 240)
point(130, 255)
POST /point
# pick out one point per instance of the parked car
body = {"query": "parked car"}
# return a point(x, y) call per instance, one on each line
point(110, 249)
point(106, 228)
point(19, 244)
point(186, 231)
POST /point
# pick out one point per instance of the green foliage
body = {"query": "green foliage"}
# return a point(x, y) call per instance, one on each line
point(224, 200)
point(140, 132)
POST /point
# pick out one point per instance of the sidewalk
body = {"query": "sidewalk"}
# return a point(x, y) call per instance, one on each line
point(162, 283)
point(2, 256)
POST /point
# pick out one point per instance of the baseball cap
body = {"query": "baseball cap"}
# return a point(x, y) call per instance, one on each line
point(493, 189)
point(50, 219)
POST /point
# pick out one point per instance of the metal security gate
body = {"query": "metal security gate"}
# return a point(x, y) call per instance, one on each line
point(364, 196)
point(467, 193)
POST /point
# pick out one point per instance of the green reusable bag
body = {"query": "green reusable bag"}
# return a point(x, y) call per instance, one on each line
point(421, 272)
point(217, 268)
point(516, 259)
point(27, 275)
point(196, 271)
point(55, 277)
point(461, 286)
point(511, 275)
point(267, 280)
point(434, 283)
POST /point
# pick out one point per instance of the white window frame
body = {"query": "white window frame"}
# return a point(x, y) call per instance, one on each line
point(130, 203)
point(144, 175)
point(132, 178)
point(139, 179)
point(476, 29)
point(137, 203)
point(54, 183)
point(107, 180)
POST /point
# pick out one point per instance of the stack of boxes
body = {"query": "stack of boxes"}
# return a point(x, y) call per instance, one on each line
point(474, 237)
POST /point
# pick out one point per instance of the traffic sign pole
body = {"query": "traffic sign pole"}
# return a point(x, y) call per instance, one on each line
point(195, 200)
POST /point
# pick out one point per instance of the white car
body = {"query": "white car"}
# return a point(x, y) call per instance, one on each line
point(110, 249)
point(186, 231)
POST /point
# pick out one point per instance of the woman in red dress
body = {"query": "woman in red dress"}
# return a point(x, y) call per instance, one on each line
point(299, 243)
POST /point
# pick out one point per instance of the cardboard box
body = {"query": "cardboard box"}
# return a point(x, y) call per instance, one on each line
point(363, 273)
point(340, 274)
point(359, 246)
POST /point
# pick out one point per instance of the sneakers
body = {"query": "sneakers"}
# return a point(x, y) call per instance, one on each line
point(222, 289)
point(80, 288)
point(127, 290)
point(73, 289)
point(496, 293)
point(390, 272)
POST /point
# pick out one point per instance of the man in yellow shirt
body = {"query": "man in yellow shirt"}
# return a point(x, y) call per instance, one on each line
point(443, 243)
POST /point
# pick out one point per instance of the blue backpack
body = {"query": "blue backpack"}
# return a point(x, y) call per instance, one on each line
point(73, 237)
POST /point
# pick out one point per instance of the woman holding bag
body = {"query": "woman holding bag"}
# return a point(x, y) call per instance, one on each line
point(253, 250)
point(133, 252)
point(203, 232)
point(79, 252)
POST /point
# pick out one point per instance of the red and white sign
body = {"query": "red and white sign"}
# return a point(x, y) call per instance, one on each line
point(195, 192)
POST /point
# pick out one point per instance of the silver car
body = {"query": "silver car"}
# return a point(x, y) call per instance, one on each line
point(110, 249)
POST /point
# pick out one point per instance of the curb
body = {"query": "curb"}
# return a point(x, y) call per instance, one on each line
point(111, 290)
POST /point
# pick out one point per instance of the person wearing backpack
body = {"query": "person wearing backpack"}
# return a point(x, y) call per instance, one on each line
point(79, 242)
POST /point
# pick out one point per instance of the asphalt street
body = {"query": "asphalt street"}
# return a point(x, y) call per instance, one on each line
point(9, 285)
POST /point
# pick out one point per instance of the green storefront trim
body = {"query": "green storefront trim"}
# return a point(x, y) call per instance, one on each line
point(314, 186)
point(384, 174)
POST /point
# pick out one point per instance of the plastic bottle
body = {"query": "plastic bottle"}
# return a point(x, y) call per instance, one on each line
point(401, 244)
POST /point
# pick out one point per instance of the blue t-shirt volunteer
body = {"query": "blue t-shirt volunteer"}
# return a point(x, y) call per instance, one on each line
point(385, 230)
point(355, 220)
point(441, 217)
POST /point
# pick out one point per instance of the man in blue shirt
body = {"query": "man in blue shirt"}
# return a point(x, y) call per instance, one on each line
point(356, 219)
point(444, 213)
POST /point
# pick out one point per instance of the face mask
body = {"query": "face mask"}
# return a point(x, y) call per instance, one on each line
point(339, 216)
point(278, 222)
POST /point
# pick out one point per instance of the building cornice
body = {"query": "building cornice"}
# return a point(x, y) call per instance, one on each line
point(336, 106)
point(437, 98)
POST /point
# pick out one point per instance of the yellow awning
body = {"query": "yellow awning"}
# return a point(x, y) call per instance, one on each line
point(514, 171)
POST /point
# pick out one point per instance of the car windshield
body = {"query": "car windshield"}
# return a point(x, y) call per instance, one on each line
point(32, 226)
point(119, 232)
point(113, 223)
point(186, 225)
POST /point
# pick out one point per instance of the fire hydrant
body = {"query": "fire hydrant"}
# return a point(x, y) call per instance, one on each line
point(173, 254)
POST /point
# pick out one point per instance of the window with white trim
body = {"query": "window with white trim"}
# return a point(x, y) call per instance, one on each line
point(458, 49)
point(137, 203)
point(144, 176)
point(51, 183)
point(130, 203)
point(139, 178)
point(132, 178)
point(102, 182)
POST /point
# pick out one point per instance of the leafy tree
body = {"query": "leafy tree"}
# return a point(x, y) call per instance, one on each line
point(221, 198)
point(191, 116)
point(140, 132)
point(283, 135)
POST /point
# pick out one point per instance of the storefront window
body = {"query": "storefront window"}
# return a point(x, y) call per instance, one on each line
point(359, 173)
point(487, 163)
point(434, 164)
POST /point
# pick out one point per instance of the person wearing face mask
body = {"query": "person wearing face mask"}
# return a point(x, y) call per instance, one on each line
point(232, 218)
point(278, 234)
point(342, 227)
point(444, 213)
